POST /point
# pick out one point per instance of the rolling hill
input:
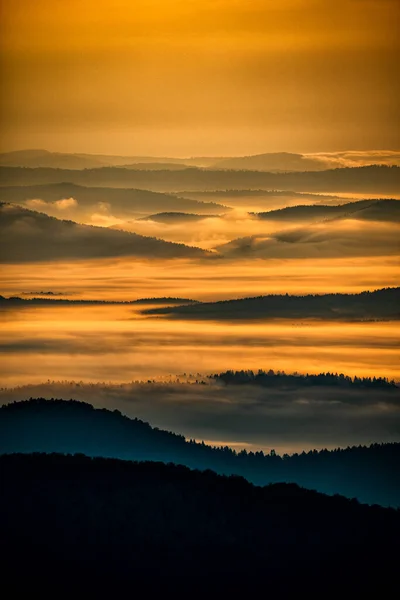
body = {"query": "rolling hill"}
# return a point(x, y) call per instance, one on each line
point(61, 160)
point(371, 179)
point(110, 525)
point(370, 474)
point(121, 202)
point(380, 304)
point(269, 161)
point(272, 161)
point(31, 236)
point(373, 210)
point(357, 234)
point(176, 217)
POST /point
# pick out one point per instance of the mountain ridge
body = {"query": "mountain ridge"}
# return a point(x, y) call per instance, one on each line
point(378, 179)
point(103, 522)
point(39, 425)
point(377, 304)
point(28, 236)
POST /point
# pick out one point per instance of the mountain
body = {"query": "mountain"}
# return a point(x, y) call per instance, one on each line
point(158, 166)
point(176, 217)
point(373, 210)
point(55, 160)
point(62, 160)
point(368, 473)
point(273, 161)
point(121, 203)
point(285, 161)
point(31, 236)
point(380, 304)
point(76, 522)
point(239, 195)
point(380, 210)
point(371, 179)
point(39, 298)
point(262, 200)
point(351, 235)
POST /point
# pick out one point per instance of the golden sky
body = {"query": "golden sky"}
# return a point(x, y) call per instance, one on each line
point(192, 77)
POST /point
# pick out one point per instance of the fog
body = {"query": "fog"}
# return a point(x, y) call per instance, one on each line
point(206, 233)
point(118, 344)
point(349, 237)
point(250, 417)
point(132, 278)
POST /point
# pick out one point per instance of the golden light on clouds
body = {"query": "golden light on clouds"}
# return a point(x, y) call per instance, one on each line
point(114, 343)
point(199, 77)
point(129, 278)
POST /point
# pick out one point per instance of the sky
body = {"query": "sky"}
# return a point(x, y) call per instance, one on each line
point(199, 77)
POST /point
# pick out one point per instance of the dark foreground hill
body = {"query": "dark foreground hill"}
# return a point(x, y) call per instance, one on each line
point(377, 305)
point(77, 520)
point(371, 474)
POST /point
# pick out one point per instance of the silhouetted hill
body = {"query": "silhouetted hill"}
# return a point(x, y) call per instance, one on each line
point(59, 160)
point(369, 473)
point(380, 304)
point(176, 217)
point(122, 202)
point(158, 166)
point(41, 299)
point(261, 200)
point(270, 379)
point(77, 520)
point(31, 236)
point(241, 193)
point(371, 179)
point(44, 158)
point(374, 210)
point(338, 237)
point(272, 161)
point(164, 300)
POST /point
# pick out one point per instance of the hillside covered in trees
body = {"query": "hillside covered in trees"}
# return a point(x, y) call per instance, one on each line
point(47, 299)
point(376, 179)
point(29, 236)
point(78, 520)
point(278, 379)
point(379, 210)
point(125, 202)
point(370, 474)
point(376, 305)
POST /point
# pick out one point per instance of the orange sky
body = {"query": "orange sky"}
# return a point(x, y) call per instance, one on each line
point(185, 77)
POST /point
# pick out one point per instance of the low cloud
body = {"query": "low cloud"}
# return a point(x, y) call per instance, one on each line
point(53, 207)
point(205, 233)
point(103, 217)
point(66, 203)
point(37, 204)
point(353, 158)
point(344, 238)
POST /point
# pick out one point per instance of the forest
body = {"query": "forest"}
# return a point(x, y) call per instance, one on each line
point(280, 378)
point(377, 304)
point(368, 473)
point(75, 520)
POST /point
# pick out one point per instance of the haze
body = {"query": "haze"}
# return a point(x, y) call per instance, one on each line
point(199, 77)
point(193, 187)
